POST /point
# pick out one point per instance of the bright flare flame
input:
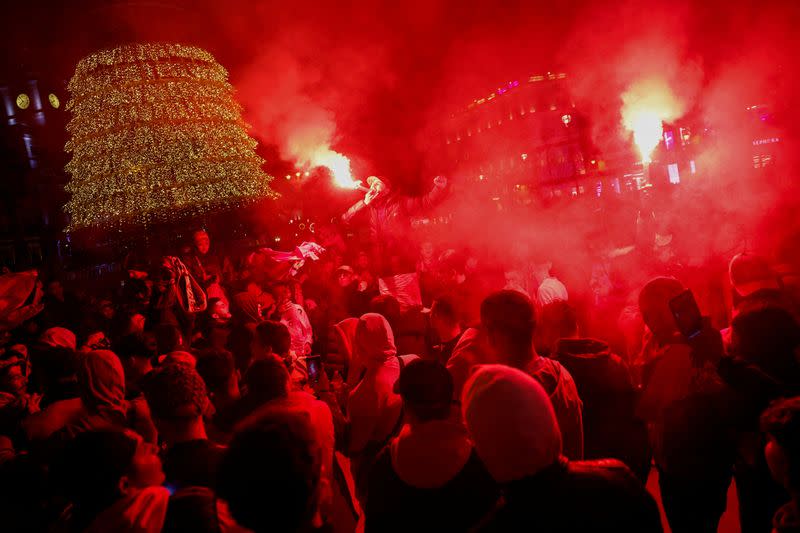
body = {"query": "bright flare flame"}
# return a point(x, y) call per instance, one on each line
point(338, 164)
point(647, 131)
point(646, 105)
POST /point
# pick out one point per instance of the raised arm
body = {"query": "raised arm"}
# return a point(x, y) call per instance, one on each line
point(426, 202)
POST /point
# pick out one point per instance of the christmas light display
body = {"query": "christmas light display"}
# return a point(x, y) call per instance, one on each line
point(156, 135)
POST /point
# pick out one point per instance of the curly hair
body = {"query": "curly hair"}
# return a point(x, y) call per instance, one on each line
point(175, 391)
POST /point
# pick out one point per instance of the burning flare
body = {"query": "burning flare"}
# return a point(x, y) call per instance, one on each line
point(645, 106)
point(338, 164)
point(647, 131)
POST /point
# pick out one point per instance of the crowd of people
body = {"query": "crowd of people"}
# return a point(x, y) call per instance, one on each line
point(315, 391)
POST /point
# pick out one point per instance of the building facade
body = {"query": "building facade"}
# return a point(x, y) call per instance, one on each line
point(525, 139)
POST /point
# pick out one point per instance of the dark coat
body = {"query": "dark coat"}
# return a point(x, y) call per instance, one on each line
point(576, 497)
point(610, 429)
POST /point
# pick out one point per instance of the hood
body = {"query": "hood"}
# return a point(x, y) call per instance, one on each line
point(374, 341)
point(58, 338)
point(346, 332)
point(468, 352)
point(511, 421)
point(102, 382)
point(20, 298)
point(429, 455)
point(245, 307)
point(582, 348)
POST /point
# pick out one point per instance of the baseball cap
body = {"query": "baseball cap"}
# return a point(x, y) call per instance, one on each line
point(750, 273)
point(345, 268)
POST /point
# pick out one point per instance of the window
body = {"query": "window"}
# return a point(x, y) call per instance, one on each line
point(674, 175)
point(669, 139)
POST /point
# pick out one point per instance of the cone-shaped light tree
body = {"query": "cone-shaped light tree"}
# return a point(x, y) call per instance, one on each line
point(155, 136)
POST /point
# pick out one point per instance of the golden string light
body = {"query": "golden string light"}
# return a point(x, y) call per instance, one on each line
point(156, 134)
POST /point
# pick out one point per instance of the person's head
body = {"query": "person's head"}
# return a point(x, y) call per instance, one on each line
point(267, 379)
point(202, 242)
point(557, 320)
point(362, 261)
point(219, 373)
point(768, 336)
point(136, 353)
point(427, 390)
point(58, 338)
point(345, 276)
point(282, 292)
point(254, 288)
point(509, 320)
point(176, 395)
point(373, 342)
point(444, 318)
point(129, 322)
point(396, 263)
point(246, 308)
point(95, 340)
point(168, 338)
point(13, 378)
point(106, 308)
point(654, 306)
point(387, 306)
point(218, 310)
point(137, 291)
point(511, 421)
point(781, 425)
point(101, 382)
point(426, 250)
point(377, 190)
point(55, 290)
point(270, 475)
point(271, 338)
point(749, 274)
point(98, 467)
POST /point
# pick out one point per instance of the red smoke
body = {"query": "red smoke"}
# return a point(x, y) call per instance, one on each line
point(377, 81)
